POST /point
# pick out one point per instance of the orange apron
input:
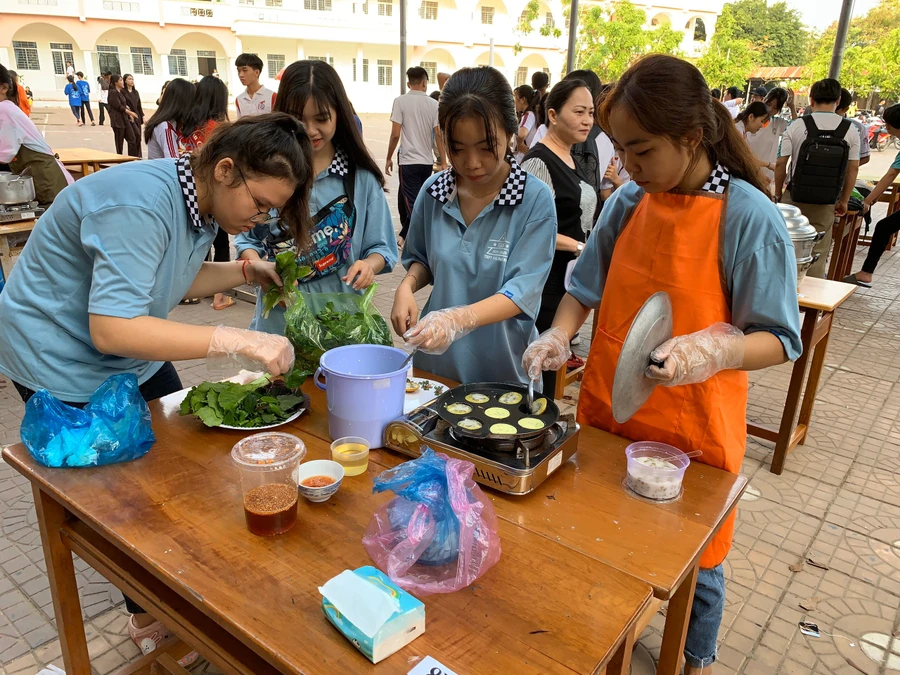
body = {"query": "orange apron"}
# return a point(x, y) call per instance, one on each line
point(673, 243)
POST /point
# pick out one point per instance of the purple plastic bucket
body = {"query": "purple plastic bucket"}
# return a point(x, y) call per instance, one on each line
point(366, 388)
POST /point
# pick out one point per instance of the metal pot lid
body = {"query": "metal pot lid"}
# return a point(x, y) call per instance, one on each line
point(788, 210)
point(651, 327)
point(799, 228)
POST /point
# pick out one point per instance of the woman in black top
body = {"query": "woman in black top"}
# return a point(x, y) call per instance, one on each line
point(134, 104)
point(120, 118)
point(570, 116)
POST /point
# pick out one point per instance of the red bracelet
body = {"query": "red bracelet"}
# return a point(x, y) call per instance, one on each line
point(244, 264)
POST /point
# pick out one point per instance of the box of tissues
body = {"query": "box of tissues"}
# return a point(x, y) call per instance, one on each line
point(377, 616)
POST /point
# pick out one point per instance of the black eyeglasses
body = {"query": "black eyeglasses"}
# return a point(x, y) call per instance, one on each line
point(261, 217)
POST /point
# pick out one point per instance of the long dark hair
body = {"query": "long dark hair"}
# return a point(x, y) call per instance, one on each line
point(756, 109)
point(210, 103)
point(481, 93)
point(274, 146)
point(651, 80)
point(115, 77)
point(316, 80)
point(125, 80)
point(6, 78)
point(175, 107)
point(13, 93)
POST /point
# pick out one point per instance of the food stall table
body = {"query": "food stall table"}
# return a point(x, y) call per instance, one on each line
point(87, 160)
point(585, 506)
point(168, 530)
point(12, 240)
point(819, 298)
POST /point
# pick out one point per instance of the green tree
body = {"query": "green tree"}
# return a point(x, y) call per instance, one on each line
point(611, 38)
point(729, 59)
point(776, 30)
point(871, 61)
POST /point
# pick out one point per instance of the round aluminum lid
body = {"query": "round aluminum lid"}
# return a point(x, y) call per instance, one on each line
point(788, 210)
point(651, 327)
point(799, 229)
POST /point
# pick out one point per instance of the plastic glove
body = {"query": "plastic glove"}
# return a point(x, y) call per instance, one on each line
point(693, 358)
point(233, 349)
point(437, 330)
point(549, 352)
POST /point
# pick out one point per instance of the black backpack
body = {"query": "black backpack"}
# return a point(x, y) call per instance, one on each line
point(818, 176)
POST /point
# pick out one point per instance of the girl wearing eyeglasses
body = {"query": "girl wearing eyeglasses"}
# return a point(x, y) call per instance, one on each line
point(352, 236)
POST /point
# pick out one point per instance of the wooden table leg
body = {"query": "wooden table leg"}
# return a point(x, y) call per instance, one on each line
point(795, 389)
point(675, 632)
point(63, 586)
point(620, 664)
point(812, 382)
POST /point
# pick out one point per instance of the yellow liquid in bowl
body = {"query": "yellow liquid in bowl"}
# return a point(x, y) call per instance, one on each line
point(354, 457)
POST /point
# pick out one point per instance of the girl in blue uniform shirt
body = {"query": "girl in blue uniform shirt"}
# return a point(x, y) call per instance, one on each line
point(74, 94)
point(352, 236)
point(483, 233)
point(93, 288)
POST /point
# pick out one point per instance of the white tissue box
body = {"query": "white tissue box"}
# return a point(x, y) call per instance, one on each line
point(377, 616)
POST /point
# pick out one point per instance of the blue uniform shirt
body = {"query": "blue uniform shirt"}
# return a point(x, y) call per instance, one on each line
point(100, 249)
point(74, 94)
point(507, 249)
point(333, 237)
point(84, 89)
point(760, 268)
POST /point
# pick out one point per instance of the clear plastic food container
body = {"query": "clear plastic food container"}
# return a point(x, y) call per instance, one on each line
point(655, 470)
point(267, 463)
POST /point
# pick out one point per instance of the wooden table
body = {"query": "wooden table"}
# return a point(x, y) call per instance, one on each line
point(818, 300)
point(585, 507)
point(168, 530)
point(90, 160)
point(12, 240)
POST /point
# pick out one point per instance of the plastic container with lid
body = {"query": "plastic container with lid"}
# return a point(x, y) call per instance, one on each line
point(655, 470)
point(267, 463)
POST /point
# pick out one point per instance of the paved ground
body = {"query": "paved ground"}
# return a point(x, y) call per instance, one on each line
point(819, 543)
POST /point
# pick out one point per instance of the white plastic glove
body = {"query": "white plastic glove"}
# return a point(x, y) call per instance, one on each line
point(233, 349)
point(437, 330)
point(693, 358)
point(549, 352)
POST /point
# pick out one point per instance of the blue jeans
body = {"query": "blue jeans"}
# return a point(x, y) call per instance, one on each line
point(706, 617)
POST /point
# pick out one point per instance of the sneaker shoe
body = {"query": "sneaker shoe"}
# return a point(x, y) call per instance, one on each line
point(93, 125)
point(575, 341)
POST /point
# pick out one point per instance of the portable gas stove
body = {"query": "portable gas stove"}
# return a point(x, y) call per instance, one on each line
point(512, 466)
point(14, 213)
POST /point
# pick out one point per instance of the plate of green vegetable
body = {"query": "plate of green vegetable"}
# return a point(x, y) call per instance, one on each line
point(264, 403)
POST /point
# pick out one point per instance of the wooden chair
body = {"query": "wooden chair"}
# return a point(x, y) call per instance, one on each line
point(565, 377)
point(891, 197)
point(845, 236)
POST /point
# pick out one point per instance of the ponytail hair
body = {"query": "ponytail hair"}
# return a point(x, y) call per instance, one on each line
point(755, 109)
point(652, 79)
point(266, 146)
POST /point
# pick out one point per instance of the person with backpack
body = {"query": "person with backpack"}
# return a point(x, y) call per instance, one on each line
point(351, 235)
point(823, 148)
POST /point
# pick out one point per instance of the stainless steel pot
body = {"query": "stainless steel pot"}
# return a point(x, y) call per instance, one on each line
point(16, 189)
point(803, 265)
point(803, 235)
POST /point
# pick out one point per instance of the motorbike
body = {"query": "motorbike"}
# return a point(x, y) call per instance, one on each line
point(879, 138)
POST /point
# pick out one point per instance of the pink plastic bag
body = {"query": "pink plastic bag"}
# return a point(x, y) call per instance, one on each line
point(440, 533)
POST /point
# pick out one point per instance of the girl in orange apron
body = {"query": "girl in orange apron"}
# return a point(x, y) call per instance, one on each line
point(696, 223)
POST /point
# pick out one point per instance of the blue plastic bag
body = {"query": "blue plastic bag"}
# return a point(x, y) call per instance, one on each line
point(113, 427)
point(440, 533)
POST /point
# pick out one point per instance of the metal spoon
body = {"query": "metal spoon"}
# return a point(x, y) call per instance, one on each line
point(408, 359)
point(531, 396)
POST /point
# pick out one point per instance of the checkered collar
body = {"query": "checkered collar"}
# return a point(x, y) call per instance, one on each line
point(189, 190)
point(512, 193)
point(340, 165)
point(718, 180)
